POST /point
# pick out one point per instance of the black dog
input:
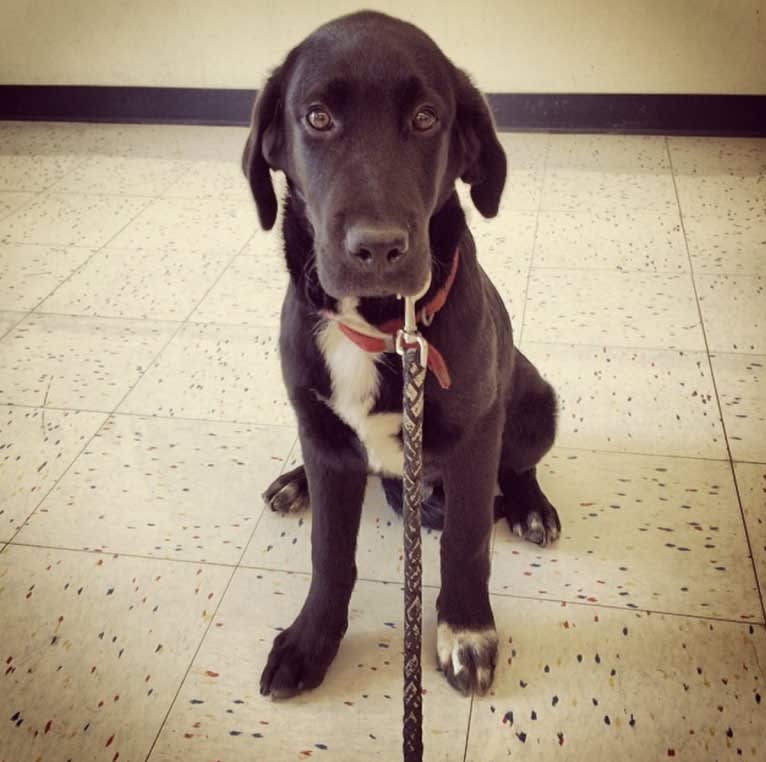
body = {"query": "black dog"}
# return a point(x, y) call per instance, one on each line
point(372, 126)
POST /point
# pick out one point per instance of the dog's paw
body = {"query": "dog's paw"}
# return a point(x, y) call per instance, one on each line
point(298, 662)
point(540, 525)
point(288, 493)
point(467, 657)
point(529, 512)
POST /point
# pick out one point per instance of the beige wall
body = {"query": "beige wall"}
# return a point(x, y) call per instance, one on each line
point(651, 46)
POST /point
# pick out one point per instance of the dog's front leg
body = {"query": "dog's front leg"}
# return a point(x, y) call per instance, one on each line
point(466, 636)
point(302, 653)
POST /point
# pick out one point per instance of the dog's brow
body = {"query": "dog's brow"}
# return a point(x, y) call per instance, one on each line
point(412, 90)
point(334, 93)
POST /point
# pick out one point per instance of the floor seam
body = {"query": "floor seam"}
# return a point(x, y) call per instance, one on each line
point(713, 381)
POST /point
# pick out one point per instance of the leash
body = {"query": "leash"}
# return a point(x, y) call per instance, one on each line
point(413, 348)
point(418, 357)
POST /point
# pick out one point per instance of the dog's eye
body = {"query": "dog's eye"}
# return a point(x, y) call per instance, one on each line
point(424, 120)
point(319, 119)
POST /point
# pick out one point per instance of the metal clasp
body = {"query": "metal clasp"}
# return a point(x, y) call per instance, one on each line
point(409, 335)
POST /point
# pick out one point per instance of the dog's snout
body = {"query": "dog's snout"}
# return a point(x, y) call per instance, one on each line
point(380, 246)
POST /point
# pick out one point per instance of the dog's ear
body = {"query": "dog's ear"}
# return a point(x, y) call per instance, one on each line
point(482, 164)
point(264, 148)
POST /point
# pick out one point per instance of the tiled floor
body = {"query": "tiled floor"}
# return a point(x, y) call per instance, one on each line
point(142, 413)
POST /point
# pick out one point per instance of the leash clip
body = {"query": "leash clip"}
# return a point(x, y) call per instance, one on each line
point(409, 335)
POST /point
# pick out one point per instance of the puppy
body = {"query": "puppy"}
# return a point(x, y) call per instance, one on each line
point(372, 127)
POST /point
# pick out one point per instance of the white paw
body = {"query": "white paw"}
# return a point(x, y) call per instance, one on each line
point(467, 657)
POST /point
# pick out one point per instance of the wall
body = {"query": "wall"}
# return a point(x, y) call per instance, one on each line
point(585, 46)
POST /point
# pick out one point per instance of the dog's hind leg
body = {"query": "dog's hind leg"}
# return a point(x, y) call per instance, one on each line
point(529, 433)
point(288, 493)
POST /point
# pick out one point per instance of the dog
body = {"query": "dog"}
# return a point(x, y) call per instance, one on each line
point(373, 126)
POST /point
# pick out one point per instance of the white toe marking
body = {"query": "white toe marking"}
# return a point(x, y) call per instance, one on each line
point(450, 642)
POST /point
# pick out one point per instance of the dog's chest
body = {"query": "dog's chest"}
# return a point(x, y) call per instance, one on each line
point(355, 385)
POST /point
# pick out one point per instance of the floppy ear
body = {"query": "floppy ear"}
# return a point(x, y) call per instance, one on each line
point(483, 164)
point(263, 147)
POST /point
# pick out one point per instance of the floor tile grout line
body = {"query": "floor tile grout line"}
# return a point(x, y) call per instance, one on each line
point(293, 447)
point(192, 659)
point(37, 194)
point(159, 321)
point(56, 482)
point(179, 329)
point(151, 416)
point(638, 348)
point(743, 519)
point(236, 566)
point(260, 424)
point(112, 553)
point(534, 242)
point(15, 324)
point(761, 623)
point(468, 727)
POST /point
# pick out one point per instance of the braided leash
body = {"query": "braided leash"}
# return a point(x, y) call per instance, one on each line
point(414, 350)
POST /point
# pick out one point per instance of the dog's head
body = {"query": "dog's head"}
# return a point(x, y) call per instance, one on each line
point(372, 125)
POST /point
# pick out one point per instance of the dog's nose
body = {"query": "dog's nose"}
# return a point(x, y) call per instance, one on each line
point(381, 246)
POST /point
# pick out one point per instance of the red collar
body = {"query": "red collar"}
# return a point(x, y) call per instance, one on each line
point(425, 315)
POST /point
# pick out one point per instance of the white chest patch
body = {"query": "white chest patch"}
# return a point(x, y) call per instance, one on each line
point(355, 379)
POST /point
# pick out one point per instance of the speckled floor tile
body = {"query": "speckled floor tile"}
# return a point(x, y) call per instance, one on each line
point(741, 383)
point(610, 307)
point(645, 401)
point(178, 473)
point(706, 155)
point(71, 219)
point(176, 224)
point(722, 194)
point(34, 173)
point(751, 479)
point(39, 138)
point(734, 310)
point(113, 175)
point(29, 273)
point(11, 201)
point(216, 372)
point(617, 239)
point(248, 293)
point(577, 683)
point(283, 542)
point(355, 714)
point(210, 179)
point(76, 362)
point(583, 190)
point(36, 448)
point(160, 285)
point(735, 243)
point(636, 153)
point(525, 150)
point(663, 534)
point(187, 490)
point(95, 650)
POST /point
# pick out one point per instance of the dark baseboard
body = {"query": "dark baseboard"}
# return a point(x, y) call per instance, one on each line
point(667, 114)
